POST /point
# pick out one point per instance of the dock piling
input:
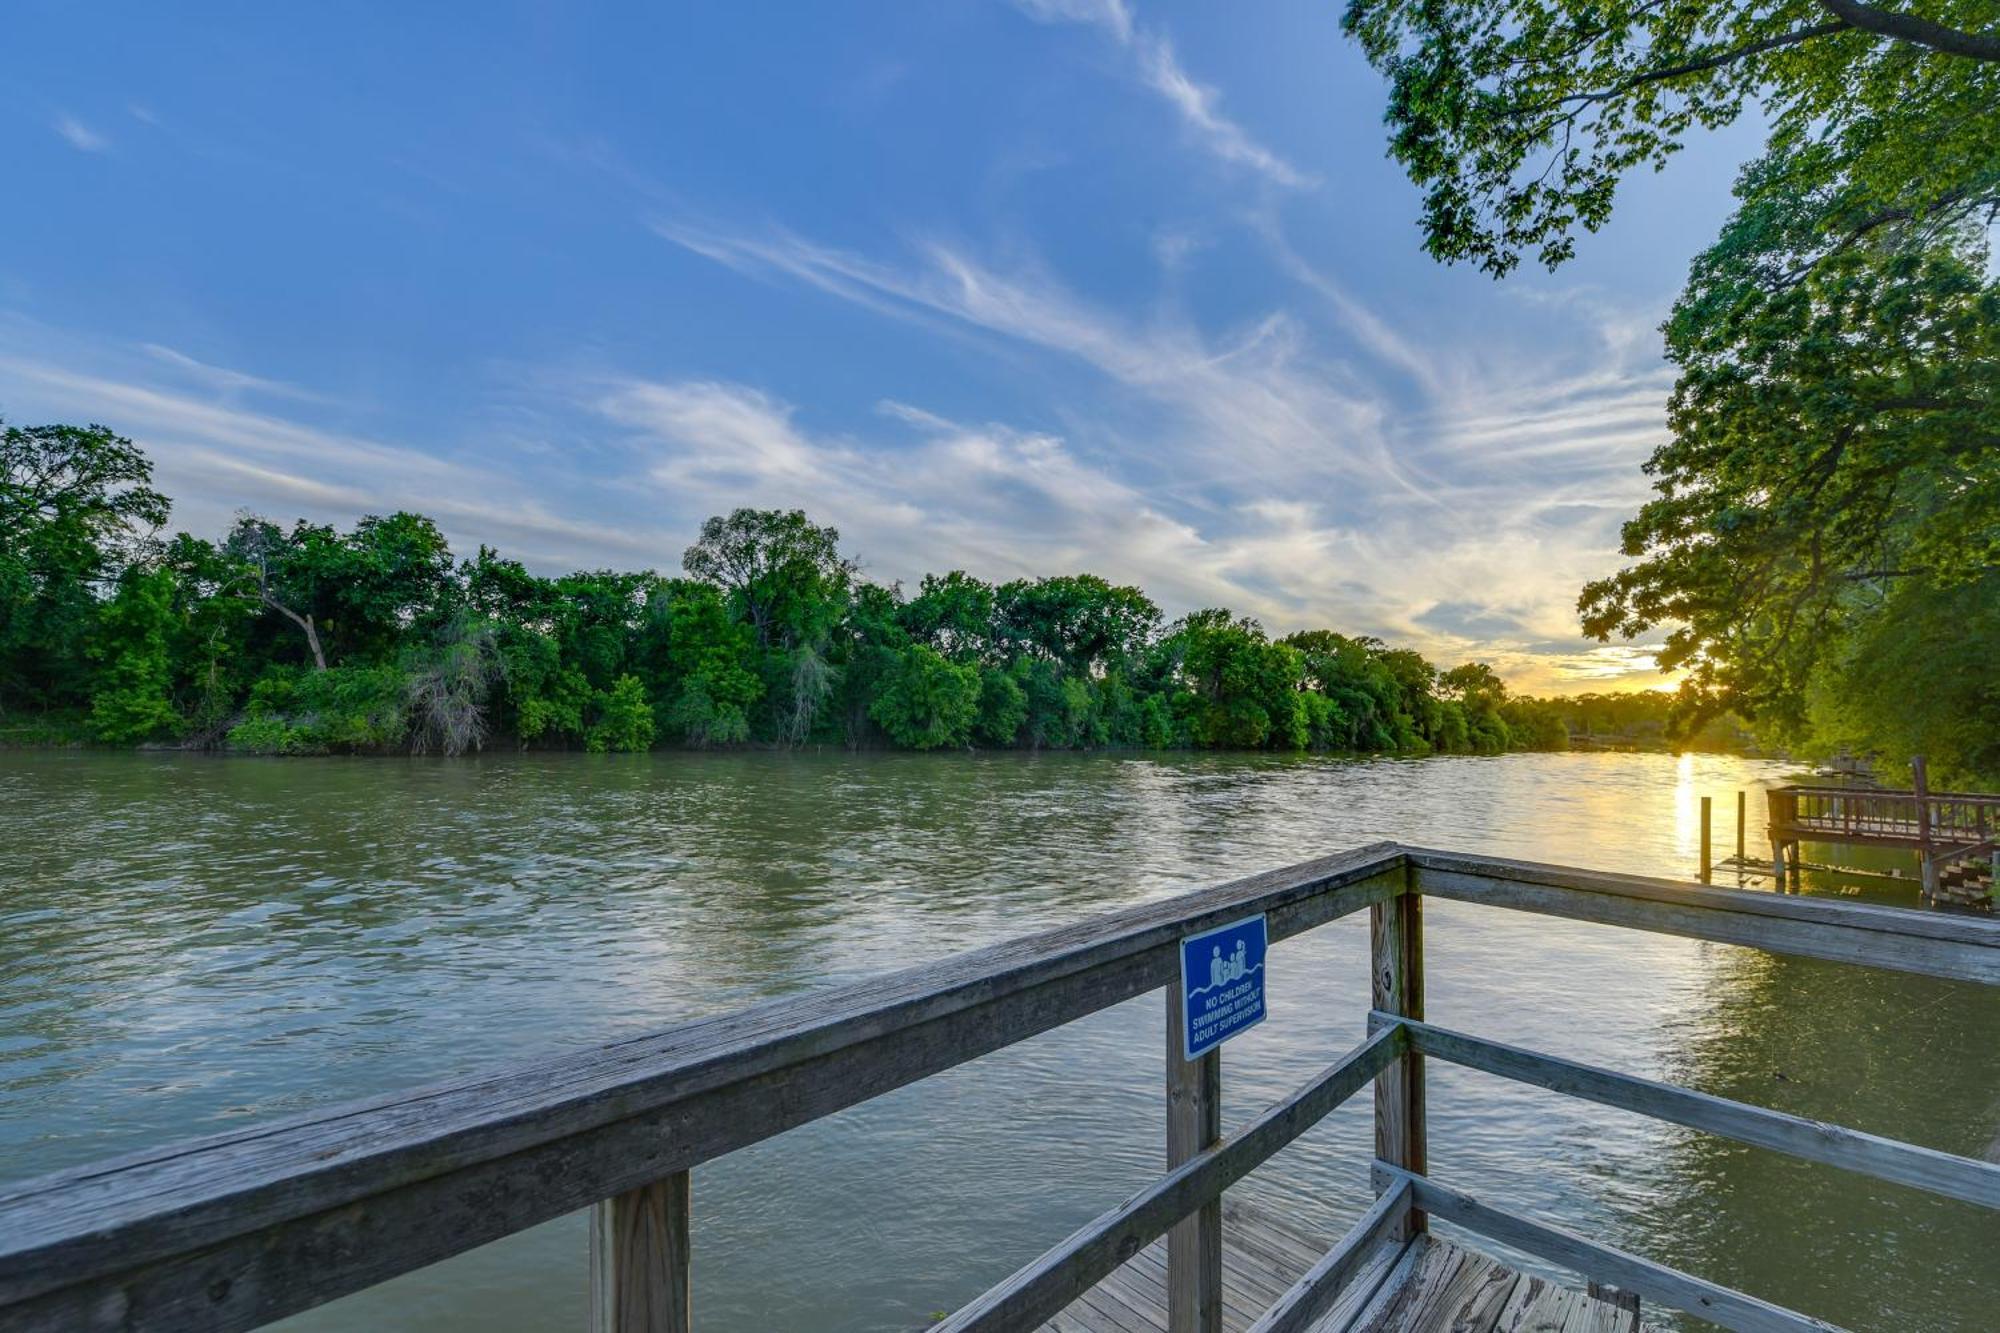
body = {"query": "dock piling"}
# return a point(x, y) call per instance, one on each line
point(1740, 805)
point(1921, 785)
point(1707, 851)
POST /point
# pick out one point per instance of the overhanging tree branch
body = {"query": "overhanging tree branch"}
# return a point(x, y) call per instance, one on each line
point(1697, 66)
point(1913, 29)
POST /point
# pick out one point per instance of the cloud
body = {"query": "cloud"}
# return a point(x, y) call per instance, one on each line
point(224, 380)
point(216, 458)
point(1255, 390)
point(1310, 493)
point(1197, 104)
point(79, 135)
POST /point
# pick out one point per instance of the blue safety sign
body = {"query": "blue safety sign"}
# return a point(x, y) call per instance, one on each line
point(1222, 984)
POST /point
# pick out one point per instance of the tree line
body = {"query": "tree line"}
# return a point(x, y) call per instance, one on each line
point(310, 639)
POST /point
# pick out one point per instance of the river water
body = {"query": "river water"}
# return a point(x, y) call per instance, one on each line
point(188, 944)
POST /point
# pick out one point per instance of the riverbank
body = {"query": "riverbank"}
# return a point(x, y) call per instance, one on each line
point(72, 730)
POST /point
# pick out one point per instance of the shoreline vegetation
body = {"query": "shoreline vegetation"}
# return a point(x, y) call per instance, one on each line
point(309, 640)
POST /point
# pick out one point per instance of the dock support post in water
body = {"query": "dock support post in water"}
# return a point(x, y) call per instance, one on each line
point(639, 1260)
point(1920, 781)
point(1740, 862)
point(1194, 1122)
point(1396, 955)
point(1707, 848)
point(1782, 810)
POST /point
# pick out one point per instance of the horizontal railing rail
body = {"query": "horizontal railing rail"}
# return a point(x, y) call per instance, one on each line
point(239, 1229)
point(1814, 1140)
point(1931, 944)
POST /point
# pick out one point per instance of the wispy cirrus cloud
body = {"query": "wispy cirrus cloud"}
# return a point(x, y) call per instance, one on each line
point(1308, 492)
point(79, 135)
point(1198, 105)
point(215, 456)
point(1259, 388)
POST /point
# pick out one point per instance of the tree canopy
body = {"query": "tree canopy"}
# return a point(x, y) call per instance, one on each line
point(1830, 493)
point(1519, 117)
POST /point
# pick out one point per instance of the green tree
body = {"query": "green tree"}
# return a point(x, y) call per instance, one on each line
point(130, 702)
point(624, 718)
point(1003, 707)
point(1242, 689)
point(953, 613)
point(927, 701)
point(1519, 117)
point(449, 682)
point(1078, 620)
point(1918, 677)
point(358, 592)
point(1836, 433)
point(784, 572)
point(75, 503)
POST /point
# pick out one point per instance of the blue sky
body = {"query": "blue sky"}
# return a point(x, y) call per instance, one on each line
point(1022, 288)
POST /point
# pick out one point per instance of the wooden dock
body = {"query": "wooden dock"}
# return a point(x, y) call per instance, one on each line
point(1426, 1285)
point(1956, 835)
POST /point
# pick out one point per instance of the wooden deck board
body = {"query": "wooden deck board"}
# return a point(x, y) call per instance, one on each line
point(1432, 1286)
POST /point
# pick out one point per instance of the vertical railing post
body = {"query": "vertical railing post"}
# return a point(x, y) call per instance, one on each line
point(1396, 955)
point(639, 1260)
point(1194, 1122)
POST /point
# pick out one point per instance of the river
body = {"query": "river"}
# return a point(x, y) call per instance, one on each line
point(188, 944)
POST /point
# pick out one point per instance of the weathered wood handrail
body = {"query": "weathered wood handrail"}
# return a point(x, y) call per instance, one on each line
point(1940, 1173)
point(235, 1230)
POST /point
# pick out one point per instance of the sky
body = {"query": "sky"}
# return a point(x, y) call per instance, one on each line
point(1021, 287)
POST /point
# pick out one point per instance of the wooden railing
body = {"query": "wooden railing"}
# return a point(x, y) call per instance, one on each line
point(1862, 815)
point(234, 1231)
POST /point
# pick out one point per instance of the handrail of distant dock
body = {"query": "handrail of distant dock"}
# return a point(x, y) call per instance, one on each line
point(236, 1230)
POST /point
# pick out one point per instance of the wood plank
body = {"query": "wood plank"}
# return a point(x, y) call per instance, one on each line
point(1540, 1306)
point(639, 1260)
point(1259, 1263)
point(236, 1230)
point(1452, 1289)
point(1246, 1288)
point(1047, 1284)
point(1320, 1286)
point(1815, 1140)
point(1362, 1288)
point(1409, 1260)
point(1653, 1281)
point(1958, 948)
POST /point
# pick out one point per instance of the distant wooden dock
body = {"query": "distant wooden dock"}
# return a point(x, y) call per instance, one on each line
point(237, 1230)
point(1424, 1285)
point(1956, 835)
